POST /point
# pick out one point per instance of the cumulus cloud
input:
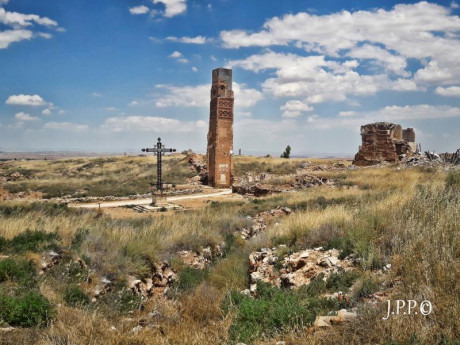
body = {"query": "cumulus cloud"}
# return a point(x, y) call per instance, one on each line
point(337, 44)
point(150, 124)
point(47, 112)
point(198, 96)
point(172, 7)
point(313, 77)
point(22, 20)
point(20, 26)
point(193, 40)
point(452, 91)
point(66, 126)
point(139, 10)
point(10, 36)
point(178, 56)
point(295, 108)
point(27, 100)
point(25, 117)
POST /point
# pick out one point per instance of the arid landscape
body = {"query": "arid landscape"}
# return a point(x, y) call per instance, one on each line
point(309, 263)
point(214, 172)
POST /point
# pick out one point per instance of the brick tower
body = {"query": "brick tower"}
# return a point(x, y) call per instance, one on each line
point(220, 135)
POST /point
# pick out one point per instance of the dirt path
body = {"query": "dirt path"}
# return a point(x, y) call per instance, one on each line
point(149, 200)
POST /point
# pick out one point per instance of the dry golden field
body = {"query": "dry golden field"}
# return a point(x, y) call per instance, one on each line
point(409, 218)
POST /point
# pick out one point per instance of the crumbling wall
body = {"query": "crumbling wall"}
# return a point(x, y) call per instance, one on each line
point(384, 141)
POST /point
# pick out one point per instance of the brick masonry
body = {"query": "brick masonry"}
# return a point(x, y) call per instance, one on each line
point(384, 141)
point(220, 135)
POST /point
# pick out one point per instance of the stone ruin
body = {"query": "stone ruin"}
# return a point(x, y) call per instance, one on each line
point(385, 142)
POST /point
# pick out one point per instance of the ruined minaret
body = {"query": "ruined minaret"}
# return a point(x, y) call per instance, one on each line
point(220, 135)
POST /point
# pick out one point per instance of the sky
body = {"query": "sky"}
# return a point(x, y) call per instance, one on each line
point(113, 75)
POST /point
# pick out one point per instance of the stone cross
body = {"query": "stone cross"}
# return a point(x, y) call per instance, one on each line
point(159, 150)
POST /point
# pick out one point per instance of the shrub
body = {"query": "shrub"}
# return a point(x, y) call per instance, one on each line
point(75, 296)
point(29, 310)
point(21, 271)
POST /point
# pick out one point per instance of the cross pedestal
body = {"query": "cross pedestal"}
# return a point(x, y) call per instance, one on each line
point(158, 198)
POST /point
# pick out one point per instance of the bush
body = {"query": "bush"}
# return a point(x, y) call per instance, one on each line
point(22, 272)
point(74, 296)
point(29, 310)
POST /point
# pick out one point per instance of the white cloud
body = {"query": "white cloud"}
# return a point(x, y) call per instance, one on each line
point(10, 36)
point(312, 77)
point(150, 124)
point(3, 2)
point(44, 35)
point(198, 96)
point(348, 113)
point(178, 56)
point(22, 20)
point(194, 69)
point(21, 26)
point(133, 103)
point(385, 39)
point(291, 114)
point(296, 105)
point(393, 113)
point(193, 40)
point(25, 117)
point(452, 91)
point(172, 7)
point(139, 10)
point(47, 112)
point(66, 126)
point(28, 100)
point(392, 63)
point(96, 94)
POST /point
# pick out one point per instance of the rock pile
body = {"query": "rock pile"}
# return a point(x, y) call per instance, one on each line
point(296, 269)
point(197, 164)
point(260, 221)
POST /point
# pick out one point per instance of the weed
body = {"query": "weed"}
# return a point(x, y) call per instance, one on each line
point(75, 296)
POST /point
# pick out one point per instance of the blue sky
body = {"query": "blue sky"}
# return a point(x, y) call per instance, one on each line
point(112, 75)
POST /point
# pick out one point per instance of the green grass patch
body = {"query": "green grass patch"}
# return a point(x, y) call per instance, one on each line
point(34, 241)
point(273, 311)
point(75, 296)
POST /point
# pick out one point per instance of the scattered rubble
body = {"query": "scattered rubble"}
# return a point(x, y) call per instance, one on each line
point(265, 184)
point(196, 163)
point(343, 315)
point(296, 269)
point(260, 221)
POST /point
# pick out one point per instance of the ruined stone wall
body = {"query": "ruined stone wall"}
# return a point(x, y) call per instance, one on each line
point(384, 141)
point(220, 135)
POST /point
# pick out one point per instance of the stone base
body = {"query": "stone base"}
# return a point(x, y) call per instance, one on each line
point(159, 200)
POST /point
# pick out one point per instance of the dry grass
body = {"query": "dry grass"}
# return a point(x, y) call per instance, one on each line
point(408, 218)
